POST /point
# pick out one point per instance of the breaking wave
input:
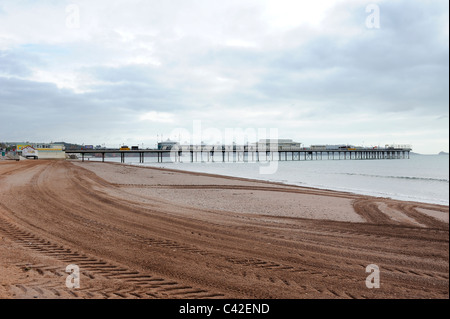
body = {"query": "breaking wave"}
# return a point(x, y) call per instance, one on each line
point(445, 180)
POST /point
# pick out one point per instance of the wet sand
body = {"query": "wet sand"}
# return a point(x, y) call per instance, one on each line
point(140, 232)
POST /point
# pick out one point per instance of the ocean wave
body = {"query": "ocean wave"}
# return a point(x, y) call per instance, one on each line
point(445, 180)
point(393, 195)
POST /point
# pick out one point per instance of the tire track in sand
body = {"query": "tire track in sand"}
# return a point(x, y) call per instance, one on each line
point(134, 283)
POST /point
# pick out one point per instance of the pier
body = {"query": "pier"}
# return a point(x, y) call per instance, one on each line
point(194, 155)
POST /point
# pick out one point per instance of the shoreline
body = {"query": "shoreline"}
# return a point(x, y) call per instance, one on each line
point(329, 193)
point(285, 184)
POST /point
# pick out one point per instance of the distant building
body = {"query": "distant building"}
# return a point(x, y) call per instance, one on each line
point(318, 147)
point(30, 152)
point(328, 147)
point(278, 144)
point(167, 145)
point(264, 144)
point(398, 146)
point(70, 146)
point(44, 150)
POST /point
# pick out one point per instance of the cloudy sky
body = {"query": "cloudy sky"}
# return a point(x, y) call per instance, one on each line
point(318, 72)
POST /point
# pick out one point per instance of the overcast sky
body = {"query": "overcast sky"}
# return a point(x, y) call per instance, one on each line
point(318, 72)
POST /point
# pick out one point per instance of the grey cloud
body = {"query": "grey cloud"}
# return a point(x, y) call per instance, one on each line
point(402, 66)
point(15, 63)
point(135, 88)
point(32, 102)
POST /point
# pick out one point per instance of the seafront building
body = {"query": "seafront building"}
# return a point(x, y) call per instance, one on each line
point(278, 144)
point(42, 150)
point(263, 144)
point(167, 145)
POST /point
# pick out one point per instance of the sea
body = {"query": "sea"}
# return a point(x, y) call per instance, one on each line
point(421, 178)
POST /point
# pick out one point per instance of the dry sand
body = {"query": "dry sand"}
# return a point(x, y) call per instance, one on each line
point(140, 232)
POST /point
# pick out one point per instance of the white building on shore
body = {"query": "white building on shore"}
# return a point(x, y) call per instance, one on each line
point(44, 150)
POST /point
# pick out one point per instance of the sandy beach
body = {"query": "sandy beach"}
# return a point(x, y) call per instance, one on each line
point(141, 232)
